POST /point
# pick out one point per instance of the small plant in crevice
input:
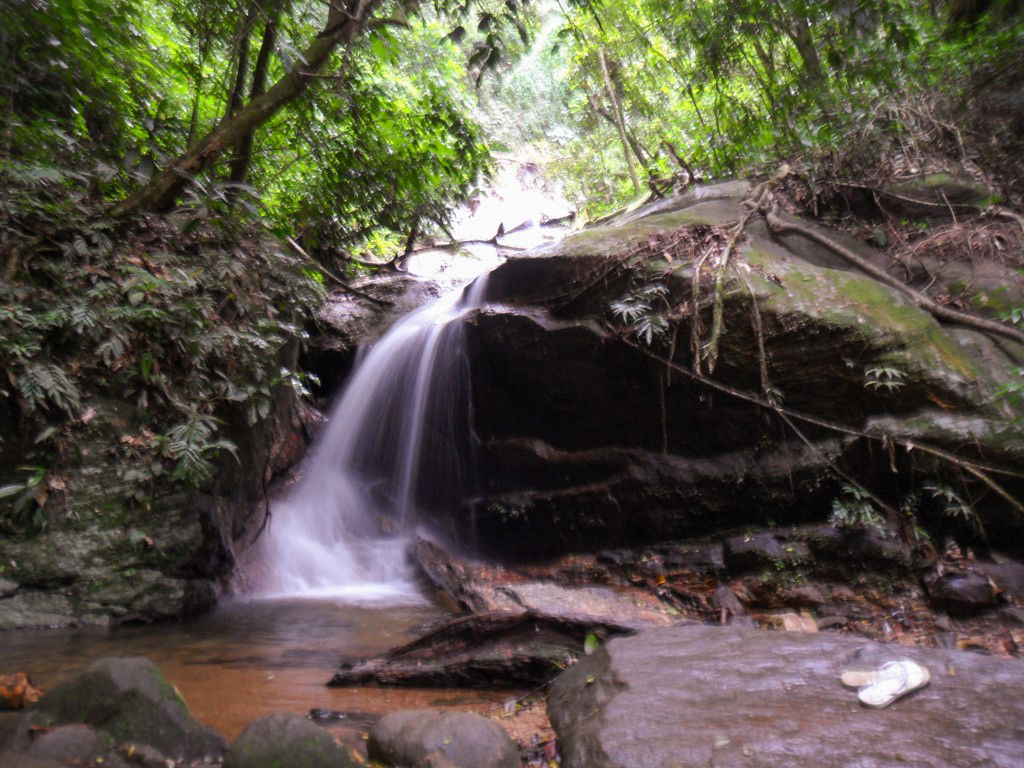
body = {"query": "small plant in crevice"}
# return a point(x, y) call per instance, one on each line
point(644, 311)
point(887, 377)
point(27, 498)
point(953, 505)
point(854, 508)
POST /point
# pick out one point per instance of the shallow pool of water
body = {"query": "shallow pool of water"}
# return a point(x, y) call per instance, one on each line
point(250, 658)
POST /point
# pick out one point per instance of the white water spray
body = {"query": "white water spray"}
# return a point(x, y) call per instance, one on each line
point(398, 439)
point(402, 415)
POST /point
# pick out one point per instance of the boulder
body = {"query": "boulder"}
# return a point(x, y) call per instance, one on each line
point(21, 760)
point(960, 594)
point(126, 700)
point(429, 738)
point(70, 743)
point(732, 698)
point(591, 437)
point(287, 740)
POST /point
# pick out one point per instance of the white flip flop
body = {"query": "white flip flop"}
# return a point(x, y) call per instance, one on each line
point(890, 682)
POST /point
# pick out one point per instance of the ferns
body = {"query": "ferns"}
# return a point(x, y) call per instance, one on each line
point(639, 310)
point(42, 383)
point(885, 377)
point(192, 445)
point(181, 327)
point(854, 508)
point(36, 177)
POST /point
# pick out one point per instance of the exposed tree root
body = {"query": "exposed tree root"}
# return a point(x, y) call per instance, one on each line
point(778, 225)
point(981, 470)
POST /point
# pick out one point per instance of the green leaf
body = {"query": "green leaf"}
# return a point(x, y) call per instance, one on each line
point(11, 490)
point(46, 434)
point(591, 643)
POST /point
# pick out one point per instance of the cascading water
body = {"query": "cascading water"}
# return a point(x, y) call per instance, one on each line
point(398, 439)
point(395, 440)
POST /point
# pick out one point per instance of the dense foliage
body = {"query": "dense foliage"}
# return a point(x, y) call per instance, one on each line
point(653, 88)
point(145, 331)
point(179, 177)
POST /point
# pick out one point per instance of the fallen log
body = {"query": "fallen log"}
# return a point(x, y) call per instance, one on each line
point(493, 650)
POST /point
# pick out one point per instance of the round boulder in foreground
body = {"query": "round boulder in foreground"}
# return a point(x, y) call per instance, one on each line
point(412, 738)
point(286, 740)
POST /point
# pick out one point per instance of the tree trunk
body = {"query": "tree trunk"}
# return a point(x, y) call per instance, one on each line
point(243, 152)
point(162, 192)
point(800, 33)
point(234, 102)
point(620, 121)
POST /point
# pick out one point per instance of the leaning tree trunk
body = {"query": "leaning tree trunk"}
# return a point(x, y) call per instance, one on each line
point(620, 120)
point(243, 153)
point(343, 23)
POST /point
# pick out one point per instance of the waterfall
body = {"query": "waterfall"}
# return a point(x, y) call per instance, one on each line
point(396, 441)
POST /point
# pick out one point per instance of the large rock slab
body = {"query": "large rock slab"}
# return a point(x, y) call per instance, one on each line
point(591, 436)
point(725, 697)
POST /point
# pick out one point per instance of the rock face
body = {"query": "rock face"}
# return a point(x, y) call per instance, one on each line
point(286, 740)
point(125, 700)
point(590, 436)
point(427, 738)
point(728, 697)
point(107, 559)
point(349, 321)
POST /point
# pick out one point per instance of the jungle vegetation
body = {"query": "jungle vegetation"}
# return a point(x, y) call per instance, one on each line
point(179, 179)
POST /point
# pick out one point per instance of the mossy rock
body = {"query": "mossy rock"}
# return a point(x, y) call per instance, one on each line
point(130, 700)
point(585, 430)
point(287, 740)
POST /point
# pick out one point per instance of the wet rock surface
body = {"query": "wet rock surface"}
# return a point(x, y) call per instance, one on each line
point(286, 740)
point(349, 321)
point(589, 440)
point(125, 700)
point(726, 697)
point(425, 738)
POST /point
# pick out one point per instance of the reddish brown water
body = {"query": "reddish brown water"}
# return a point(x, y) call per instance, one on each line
point(248, 659)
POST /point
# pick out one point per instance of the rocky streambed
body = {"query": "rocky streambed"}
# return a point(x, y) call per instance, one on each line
point(677, 538)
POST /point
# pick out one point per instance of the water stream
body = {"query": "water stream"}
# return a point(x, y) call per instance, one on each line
point(394, 442)
point(398, 439)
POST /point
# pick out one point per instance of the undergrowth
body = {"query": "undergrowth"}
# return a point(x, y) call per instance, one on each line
point(141, 334)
